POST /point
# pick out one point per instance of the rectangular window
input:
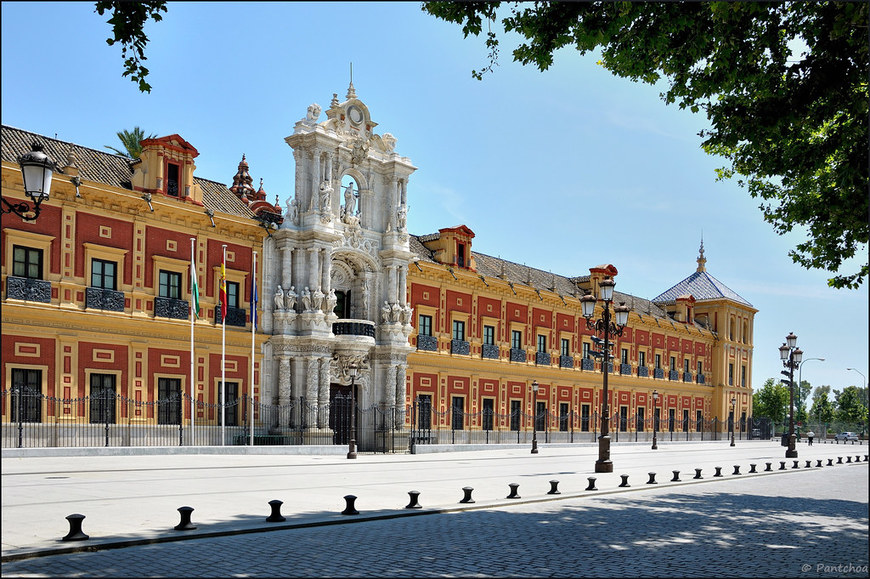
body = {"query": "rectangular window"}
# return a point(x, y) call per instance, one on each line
point(743, 376)
point(700, 368)
point(686, 365)
point(641, 418)
point(516, 339)
point(232, 294)
point(425, 328)
point(671, 419)
point(699, 420)
point(489, 335)
point(170, 284)
point(658, 361)
point(586, 349)
point(459, 330)
point(584, 417)
point(566, 347)
point(641, 358)
point(231, 403)
point(623, 418)
point(624, 356)
point(172, 178)
point(460, 254)
point(488, 413)
point(458, 422)
point(103, 274)
point(26, 395)
point(564, 416)
point(26, 262)
point(541, 416)
point(542, 343)
point(673, 363)
point(168, 401)
point(102, 398)
point(424, 412)
point(515, 414)
point(685, 421)
point(731, 374)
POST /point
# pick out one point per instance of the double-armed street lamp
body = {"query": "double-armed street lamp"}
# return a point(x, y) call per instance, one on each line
point(733, 418)
point(353, 369)
point(608, 329)
point(655, 422)
point(534, 417)
point(37, 169)
point(791, 357)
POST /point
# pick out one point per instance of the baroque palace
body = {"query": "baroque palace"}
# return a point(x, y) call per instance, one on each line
point(99, 293)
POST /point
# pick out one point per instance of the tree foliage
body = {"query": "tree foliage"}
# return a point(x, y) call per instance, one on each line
point(131, 141)
point(128, 27)
point(783, 84)
point(851, 406)
point(771, 401)
point(822, 409)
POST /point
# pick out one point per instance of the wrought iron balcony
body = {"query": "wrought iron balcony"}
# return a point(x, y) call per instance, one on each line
point(542, 358)
point(700, 379)
point(460, 347)
point(673, 375)
point(489, 351)
point(587, 364)
point(517, 355)
point(172, 308)
point(31, 290)
point(566, 361)
point(625, 369)
point(687, 376)
point(428, 343)
point(643, 371)
point(104, 299)
point(659, 373)
point(354, 328)
point(235, 316)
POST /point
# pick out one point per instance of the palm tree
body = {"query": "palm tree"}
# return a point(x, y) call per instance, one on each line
point(132, 141)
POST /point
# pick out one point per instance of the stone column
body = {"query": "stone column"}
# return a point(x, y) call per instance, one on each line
point(403, 285)
point(390, 386)
point(391, 284)
point(401, 370)
point(313, 268)
point(287, 268)
point(312, 381)
point(285, 393)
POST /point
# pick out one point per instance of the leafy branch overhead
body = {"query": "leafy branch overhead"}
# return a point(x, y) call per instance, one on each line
point(128, 27)
point(783, 84)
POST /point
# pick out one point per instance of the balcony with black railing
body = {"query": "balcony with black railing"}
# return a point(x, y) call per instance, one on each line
point(687, 376)
point(587, 364)
point(517, 355)
point(625, 369)
point(235, 317)
point(427, 343)
point(354, 328)
point(659, 373)
point(673, 375)
point(566, 361)
point(173, 308)
point(643, 372)
point(29, 289)
point(542, 358)
point(490, 351)
point(104, 299)
point(460, 347)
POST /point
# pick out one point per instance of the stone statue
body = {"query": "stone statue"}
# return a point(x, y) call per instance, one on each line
point(317, 300)
point(293, 211)
point(407, 312)
point(312, 114)
point(306, 299)
point(331, 301)
point(401, 217)
point(290, 298)
point(325, 191)
point(279, 299)
point(349, 200)
point(396, 313)
point(386, 311)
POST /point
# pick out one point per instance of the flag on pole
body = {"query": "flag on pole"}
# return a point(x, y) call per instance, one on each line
point(194, 287)
point(254, 298)
point(223, 289)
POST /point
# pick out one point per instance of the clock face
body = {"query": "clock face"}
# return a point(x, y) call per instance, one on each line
point(355, 115)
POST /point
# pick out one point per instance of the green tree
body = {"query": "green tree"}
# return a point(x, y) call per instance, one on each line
point(771, 401)
point(131, 141)
point(850, 405)
point(783, 84)
point(801, 393)
point(128, 27)
point(822, 409)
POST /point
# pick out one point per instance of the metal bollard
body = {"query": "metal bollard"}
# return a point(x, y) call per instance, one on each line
point(75, 528)
point(185, 524)
point(652, 479)
point(752, 468)
point(514, 487)
point(624, 482)
point(848, 459)
point(413, 504)
point(676, 476)
point(795, 465)
point(275, 517)
point(736, 469)
point(808, 464)
point(718, 472)
point(767, 467)
point(467, 498)
point(839, 460)
point(830, 462)
point(782, 465)
point(350, 509)
point(591, 486)
point(697, 473)
point(554, 490)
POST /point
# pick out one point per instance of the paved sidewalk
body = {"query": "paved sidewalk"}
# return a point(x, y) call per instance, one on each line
point(134, 499)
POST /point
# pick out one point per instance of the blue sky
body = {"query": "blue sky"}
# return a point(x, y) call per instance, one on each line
point(560, 170)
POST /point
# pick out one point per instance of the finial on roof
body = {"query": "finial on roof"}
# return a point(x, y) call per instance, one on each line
point(351, 93)
point(701, 259)
point(334, 102)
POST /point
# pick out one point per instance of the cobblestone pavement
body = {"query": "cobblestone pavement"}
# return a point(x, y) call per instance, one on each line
point(804, 523)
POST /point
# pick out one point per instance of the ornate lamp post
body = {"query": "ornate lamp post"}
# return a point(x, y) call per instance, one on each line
point(353, 369)
point(791, 357)
point(655, 422)
point(534, 417)
point(36, 169)
point(608, 330)
point(733, 418)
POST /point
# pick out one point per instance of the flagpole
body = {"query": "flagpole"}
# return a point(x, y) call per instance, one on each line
point(223, 296)
point(193, 313)
point(253, 332)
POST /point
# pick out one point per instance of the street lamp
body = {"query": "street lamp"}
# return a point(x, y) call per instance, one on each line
point(733, 419)
point(608, 330)
point(37, 169)
point(534, 417)
point(864, 385)
point(353, 369)
point(791, 357)
point(655, 422)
